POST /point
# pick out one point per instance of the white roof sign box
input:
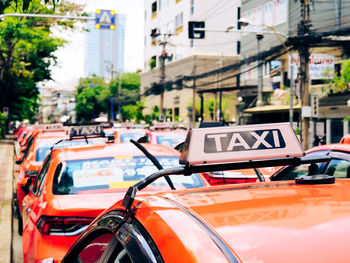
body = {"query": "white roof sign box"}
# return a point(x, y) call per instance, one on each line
point(88, 130)
point(240, 143)
point(50, 127)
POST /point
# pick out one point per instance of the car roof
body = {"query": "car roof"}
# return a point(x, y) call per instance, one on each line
point(330, 147)
point(265, 222)
point(110, 150)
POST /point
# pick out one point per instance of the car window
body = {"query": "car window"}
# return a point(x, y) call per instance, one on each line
point(126, 137)
point(171, 140)
point(45, 147)
point(38, 184)
point(119, 172)
point(338, 168)
point(27, 150)
point(291, 172)
point(94, 250)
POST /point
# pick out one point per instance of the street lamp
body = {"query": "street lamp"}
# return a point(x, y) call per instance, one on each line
point(245, 22)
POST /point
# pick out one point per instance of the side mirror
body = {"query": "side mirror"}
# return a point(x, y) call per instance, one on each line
point(26, 187)
point(143, 139)
point(19, 161)
point(179, 146)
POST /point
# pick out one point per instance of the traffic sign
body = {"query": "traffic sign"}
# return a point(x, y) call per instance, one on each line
point(105, 19)
point(193, 33)
point(315, 106)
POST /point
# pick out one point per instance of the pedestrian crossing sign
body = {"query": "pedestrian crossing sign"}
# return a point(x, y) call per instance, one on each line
point(105, 19)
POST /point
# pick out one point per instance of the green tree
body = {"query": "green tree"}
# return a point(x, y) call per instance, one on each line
point(130, 89)
point(340, 83)
point(91, 98)
point(27, 49)
point(133, 112)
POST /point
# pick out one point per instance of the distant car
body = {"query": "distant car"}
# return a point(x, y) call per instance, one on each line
point(76, 184)
point(306, 220)
point(169, 138)
point(125, 135)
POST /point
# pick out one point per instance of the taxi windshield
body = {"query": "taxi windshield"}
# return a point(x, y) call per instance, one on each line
point(126, 137)
point(171, 140)
point(115, 173)
point(44, 148)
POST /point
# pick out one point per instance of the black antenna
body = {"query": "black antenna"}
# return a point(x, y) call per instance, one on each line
point(154, 161)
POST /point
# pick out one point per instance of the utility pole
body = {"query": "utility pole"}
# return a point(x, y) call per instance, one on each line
point(259, 101)
point(119, 117)
point(304, 54)
point(163, 57)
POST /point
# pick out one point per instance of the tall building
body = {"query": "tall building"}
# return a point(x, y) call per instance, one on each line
point(105, 49)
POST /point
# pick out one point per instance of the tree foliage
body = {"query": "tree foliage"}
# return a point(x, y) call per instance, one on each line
point(27, 49)
point(90, 98)
point(341, 82)
point(94, 95)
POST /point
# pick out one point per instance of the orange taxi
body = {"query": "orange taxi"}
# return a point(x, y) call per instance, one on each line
point(165, 136)
point(76, 184)
point(305, 220)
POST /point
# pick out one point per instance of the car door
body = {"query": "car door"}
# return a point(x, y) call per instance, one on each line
point(29, 202)
point(114, 238)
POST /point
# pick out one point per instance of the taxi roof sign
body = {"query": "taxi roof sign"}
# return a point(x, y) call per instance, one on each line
point(50, 127)
point(88, 130)
point(240, 143)
point(161, 125)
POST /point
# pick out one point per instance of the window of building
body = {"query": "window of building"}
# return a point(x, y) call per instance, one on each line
point(154, 7)
point(238, 47)
point(153, 62)
point(179, 23)
point(238, 17)
point(192, 7)
point(145, 15)
point(191, 43)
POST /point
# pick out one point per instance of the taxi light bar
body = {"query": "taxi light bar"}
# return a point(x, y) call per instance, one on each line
point(240, 144)
point(50, 225)
point(84, 131)
point(127, 125)
point(50, 127)
point(161, 125)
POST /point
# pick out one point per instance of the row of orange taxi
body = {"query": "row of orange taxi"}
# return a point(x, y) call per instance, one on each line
point(226, 194)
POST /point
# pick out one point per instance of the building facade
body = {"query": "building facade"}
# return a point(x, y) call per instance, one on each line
point(105, 49)
point(166, 35)
point(279, 22)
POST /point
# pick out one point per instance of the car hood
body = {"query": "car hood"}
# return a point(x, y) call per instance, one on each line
point(277, 221)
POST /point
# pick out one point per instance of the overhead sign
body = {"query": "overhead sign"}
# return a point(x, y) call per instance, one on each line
point(321, 66)
point(240, 143)
point(89, 130)
point(105, 19)
point(193, 33)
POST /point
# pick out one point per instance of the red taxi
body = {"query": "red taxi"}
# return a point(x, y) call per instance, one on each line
point(75, 184)
point(305, 220)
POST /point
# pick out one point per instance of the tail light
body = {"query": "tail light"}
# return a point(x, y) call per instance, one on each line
point(62, 226)
point(47, 260)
